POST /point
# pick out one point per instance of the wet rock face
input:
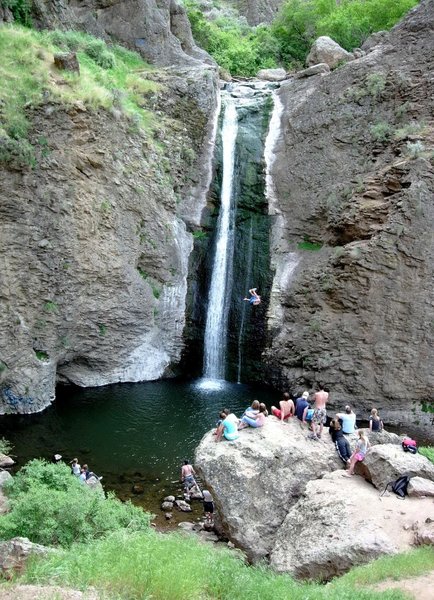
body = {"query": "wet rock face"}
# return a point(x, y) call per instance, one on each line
point(158, 29)
point(354, 182)
point(94, 249)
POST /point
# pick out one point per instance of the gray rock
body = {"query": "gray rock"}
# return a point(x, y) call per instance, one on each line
point(326, 50)
point(319, 69)
point(5, 477)
point(6, 461)
point(182, 505)
point(272, 74)
point(328, 531)
point(384, 463)
point(15, 552)
point(67, 62)
point(424, 534)
point(169, 499)
point(208, 536)
point(167, 506)
point(419, 487)
point(373, 40)
point(186, 526)
point(269, 466)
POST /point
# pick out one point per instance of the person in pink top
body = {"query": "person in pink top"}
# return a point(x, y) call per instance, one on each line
point(286, 410)
point(257, 420)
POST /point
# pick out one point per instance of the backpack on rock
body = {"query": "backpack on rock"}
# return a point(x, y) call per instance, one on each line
point(399, 486)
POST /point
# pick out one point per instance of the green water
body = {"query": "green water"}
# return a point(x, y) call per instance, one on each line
point(129, 433)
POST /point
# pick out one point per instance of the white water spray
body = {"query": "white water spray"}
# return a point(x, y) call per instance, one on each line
point(219, 293)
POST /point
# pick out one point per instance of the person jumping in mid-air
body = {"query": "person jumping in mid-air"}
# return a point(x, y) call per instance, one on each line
point(254, 299)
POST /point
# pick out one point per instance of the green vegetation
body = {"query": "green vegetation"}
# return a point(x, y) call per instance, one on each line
point(20, 9)
point(243, 50)
point(5, 446)
point(50, 506)
point(102, 328)
point(110, 78)
point(51, 306)
point(381, 132)
point(427, 451)
point(42, 356)
point(199, 234)
point(414, 150)
point(151, 565)
point(306, 244)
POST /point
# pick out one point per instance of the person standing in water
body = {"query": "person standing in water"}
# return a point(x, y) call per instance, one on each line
point(254, 299)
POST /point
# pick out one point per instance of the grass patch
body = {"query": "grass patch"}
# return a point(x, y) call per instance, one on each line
point(42, 356)
point(151, 565)
point(306, 244)
point(427, 451)
point(110, 78)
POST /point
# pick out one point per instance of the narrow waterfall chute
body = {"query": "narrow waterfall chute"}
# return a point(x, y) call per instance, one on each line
point(219, 292)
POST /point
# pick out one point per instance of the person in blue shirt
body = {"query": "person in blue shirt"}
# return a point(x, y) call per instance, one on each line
point(348, 419)
point(254, 299)
point(300, 405)
point(227, 429)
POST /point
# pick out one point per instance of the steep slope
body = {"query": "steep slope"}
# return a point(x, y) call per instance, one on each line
point(353, 181)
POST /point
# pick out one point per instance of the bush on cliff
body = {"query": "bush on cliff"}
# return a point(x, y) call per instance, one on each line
point(52, 507)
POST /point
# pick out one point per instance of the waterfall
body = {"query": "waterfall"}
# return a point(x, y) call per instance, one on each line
point(220, 288)
point(245, 306)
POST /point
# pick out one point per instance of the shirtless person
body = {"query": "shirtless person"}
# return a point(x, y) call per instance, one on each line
point(187, 477)
point(287, 408)
point(319, 414)
point(254, 299)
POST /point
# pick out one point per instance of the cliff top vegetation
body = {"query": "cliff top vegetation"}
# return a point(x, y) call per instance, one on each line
point(243, 50)
point(111, 78)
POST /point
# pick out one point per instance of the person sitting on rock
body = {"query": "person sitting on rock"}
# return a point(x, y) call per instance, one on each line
point(286, 410)
point(340, 441)
point(75, 467)
point(226, 429)
point(252, 410)
point(348, 419)
point(257, 420)
point(300, 404)
point(254, 299)
point(359, 453)
point(375, 423)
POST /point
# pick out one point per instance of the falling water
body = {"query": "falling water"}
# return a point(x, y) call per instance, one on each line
point(245, 305)
point(218, 303)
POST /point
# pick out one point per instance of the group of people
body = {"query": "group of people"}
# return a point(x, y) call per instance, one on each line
point(82, 472)
point(343, 423)
point(188, 478)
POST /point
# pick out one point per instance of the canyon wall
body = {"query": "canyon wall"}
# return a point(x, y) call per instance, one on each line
point(96, 237)
point(352, 208)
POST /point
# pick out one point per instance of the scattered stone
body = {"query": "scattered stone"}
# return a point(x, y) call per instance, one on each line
point(4, 478)
point(169, 499)
point(186, 526)
point(182, 505)
point(6, 461)
point(208, 536)
point(167, 506)
point(138, 489)
point(14, 554)
point(168, 516)
point(67, 62)
point(420, 487)
point(319, 69)
point(272, 74)
point(424, 535)
point(326, 50)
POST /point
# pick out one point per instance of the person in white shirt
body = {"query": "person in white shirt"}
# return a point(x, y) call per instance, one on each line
point(348, 419)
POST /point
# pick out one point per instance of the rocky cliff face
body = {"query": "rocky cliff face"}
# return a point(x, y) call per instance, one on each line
point(158, 29)
point(257, 11)
point(353, 183)
point(95, 240)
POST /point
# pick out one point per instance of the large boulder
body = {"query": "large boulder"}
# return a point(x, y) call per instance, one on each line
point(15, 552)
point(326, 50)
point(330, 529)
point(420, 487)
point(6, 461)
point(387, 462)
point(257, 478)
point(272, 74)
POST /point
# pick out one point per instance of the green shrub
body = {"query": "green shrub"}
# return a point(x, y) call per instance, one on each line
point(381, 132)
point(97, 50)
point(5, 446)
point(428, 451)
point(414, 150)
point(21, 10)
point(50, 506)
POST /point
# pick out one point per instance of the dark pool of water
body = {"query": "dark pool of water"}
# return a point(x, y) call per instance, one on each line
point(129, 433)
